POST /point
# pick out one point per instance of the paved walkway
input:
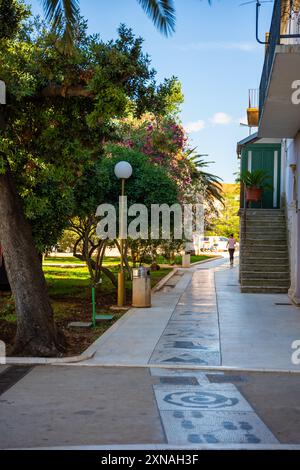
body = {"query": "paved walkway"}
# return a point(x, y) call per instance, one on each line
point(66, 406)
point(205, 321)
point(166, 393)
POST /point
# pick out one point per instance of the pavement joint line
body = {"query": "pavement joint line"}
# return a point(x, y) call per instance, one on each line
point(225, 446)
point(183, 366)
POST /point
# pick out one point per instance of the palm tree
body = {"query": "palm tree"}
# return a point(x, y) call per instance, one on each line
point(58, 12)
point(209, 185)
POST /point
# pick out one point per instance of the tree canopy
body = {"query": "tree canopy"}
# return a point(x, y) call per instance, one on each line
point(61, 110)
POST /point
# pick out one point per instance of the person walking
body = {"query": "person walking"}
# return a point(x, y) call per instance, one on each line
point(231, 248)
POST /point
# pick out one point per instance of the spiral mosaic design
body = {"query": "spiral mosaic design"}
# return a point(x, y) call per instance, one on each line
point(202, 400)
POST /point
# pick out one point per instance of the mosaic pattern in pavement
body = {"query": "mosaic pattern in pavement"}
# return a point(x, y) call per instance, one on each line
point(207, 413)
point(192, 334)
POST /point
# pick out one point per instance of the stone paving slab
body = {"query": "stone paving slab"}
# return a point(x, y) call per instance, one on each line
point(201, 325)
point(114, 407)
point(185, 356)
point(133, 338)
point(189, 330)
point(208, 318)
point(201, 309)
point(200, 398)
point(197, 304)
point(66, 405)
point(201, 377)
point(203, 386)
point(195, 344)
point(254, 331)
point(214, 427)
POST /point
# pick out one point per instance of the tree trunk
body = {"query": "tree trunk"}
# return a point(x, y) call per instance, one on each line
point(36, 331)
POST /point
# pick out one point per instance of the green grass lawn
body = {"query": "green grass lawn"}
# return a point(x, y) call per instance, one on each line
point(196, 258)
point(108, 260)
point(70, 294)
point(115, 261)
point(72, 285)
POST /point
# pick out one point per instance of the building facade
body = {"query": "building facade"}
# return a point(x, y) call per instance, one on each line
point(279, 118)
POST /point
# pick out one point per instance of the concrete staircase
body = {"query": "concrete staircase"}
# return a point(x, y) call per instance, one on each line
point(264, 261)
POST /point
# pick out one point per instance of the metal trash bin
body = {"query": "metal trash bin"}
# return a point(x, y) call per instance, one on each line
point(141, 287)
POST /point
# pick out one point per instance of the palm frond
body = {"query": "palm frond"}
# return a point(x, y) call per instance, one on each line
point(211, 184)
point(162, 13)
point(63, 13)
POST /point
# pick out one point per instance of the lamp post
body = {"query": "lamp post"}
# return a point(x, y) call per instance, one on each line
point(123, 171)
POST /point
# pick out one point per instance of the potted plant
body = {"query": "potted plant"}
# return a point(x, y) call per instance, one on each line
point(255, 182)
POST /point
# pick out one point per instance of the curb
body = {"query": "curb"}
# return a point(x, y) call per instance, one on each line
point(214, 258)
point(166, 446)
point(50, 361)
point(164, 280)
point(191, 367)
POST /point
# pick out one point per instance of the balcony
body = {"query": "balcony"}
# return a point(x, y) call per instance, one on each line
point(279, 116)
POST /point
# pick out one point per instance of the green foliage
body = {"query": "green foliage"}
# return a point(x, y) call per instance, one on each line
point(63, 14)
point(92, 188)
point(170, 95)
point(148, 184)
point(12, 12)
point(7, 311)
point(227, 219)
point(164, 141)
point(53, 141)
point(256, 179)
point(207, 184)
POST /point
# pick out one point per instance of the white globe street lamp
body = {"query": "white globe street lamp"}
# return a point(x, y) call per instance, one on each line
point(123, 171)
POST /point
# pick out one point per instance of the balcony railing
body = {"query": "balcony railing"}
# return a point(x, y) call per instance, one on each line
point(283, 11)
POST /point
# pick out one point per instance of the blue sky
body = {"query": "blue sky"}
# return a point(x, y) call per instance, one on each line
point(213, 53)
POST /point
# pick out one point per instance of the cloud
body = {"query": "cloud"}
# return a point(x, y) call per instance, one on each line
point(218, 119)
point(227, 46)
point(221, 119)
point(195, 126)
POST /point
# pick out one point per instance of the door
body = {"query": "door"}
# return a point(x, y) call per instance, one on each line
point(267, 158)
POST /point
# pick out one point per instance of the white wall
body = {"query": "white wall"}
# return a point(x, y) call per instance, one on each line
point(293, 27)
point(291, 193)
